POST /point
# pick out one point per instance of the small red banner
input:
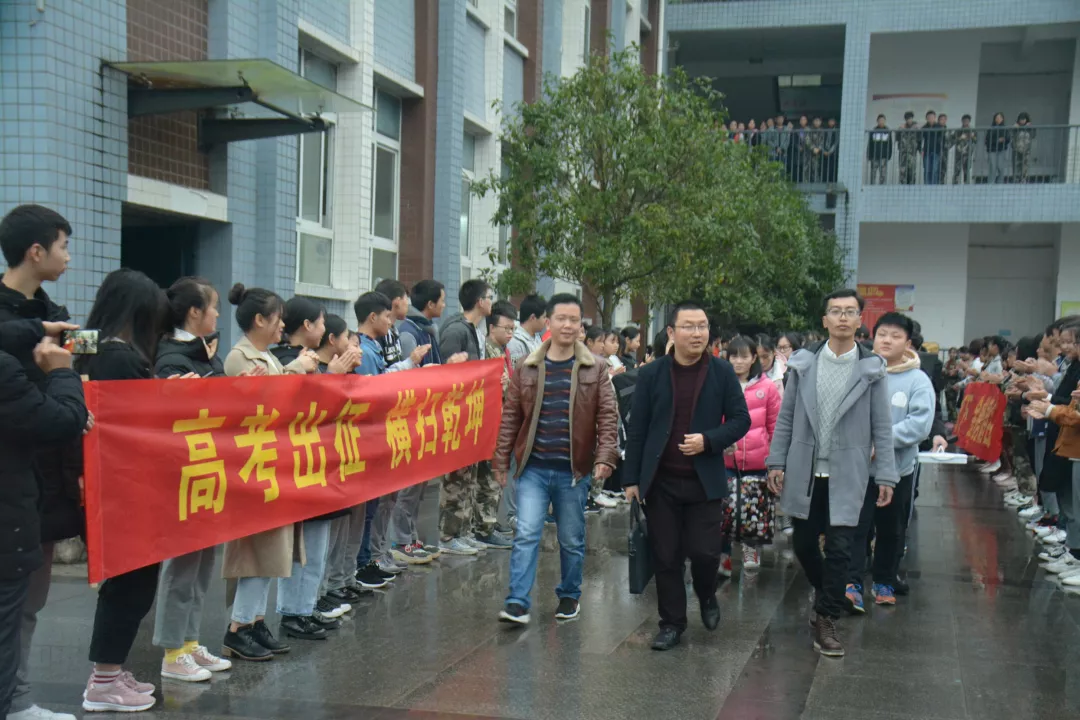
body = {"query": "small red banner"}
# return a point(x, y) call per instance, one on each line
point(174, 466)
point(979, 425)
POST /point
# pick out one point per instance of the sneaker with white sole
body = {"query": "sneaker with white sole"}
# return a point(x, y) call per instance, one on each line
point(457, 546)
point(332, 608)
point(117, 696)
point(1053, 553)
point(606, 502)
point(751, 558)
point(515, 614)
point(1032, 513)
point(184, 669)
point(1071, 572)
point(991, 468)
point(410, 555)
point(1054, 538)
point(475, 544)
point(1065, 562)
point(1072, 581)
point(206, 659)
point(387, 565)
point(39, 713)
point(1020, 500)
point(1043, 530)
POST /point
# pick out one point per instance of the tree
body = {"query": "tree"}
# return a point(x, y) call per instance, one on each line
point(626, 184)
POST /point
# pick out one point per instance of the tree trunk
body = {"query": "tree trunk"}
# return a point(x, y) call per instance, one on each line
point(607, 309)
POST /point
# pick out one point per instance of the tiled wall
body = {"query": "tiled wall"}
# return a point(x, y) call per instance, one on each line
point(165, 147)
point(63, 129)
point(395, 27)
point(475, 95)
point(330, 16)
point(450, 126)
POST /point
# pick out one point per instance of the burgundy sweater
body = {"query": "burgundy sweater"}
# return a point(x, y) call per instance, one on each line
point(686, 384)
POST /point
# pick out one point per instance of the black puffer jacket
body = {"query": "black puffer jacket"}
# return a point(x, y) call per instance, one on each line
point(60, 465)
point(180, 357)
point(32, 415)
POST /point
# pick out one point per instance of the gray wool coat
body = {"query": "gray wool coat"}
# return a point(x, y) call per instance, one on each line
point(864, 424)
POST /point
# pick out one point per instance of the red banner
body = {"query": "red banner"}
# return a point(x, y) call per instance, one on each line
point(979, 425)
point(173, 466)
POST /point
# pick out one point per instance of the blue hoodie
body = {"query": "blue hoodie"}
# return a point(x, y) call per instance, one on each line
point(911, 399)
point(372, 363)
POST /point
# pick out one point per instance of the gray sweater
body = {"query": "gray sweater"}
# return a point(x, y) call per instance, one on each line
point(834, 372)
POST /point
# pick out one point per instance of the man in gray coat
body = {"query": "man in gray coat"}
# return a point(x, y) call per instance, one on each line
point(833, 434)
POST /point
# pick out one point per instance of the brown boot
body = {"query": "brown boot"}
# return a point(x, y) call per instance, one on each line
point(826, 638)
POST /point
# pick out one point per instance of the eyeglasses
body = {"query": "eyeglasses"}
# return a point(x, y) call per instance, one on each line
point(489, 298)
point(504, 328)
point(846, 313)
point(693, 328)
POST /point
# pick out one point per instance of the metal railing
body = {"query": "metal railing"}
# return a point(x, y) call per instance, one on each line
point(810, 155)
point(1031, 154)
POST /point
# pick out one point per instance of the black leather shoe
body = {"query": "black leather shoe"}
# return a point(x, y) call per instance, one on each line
point(264, 637)
point(666, 639)
point(710, 613)
point(324, 622)
point(302, 628)
point(243, 645)
point(901, 588)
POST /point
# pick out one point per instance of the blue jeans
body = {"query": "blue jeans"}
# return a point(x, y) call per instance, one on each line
point(536, 489)
point(932, 168)
point(298, 593)
point(364, 556)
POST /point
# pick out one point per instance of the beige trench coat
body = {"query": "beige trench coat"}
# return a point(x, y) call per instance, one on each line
point(269, 553)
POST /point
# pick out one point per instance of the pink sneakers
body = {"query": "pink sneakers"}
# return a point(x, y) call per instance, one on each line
point(184, 669)
point(207, 660)
point(120, 695)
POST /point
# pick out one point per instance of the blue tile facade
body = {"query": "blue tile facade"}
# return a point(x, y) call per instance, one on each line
point(450, 128)
point(63, 128)
point(330, 16)
point(395, 32)
point(475, 97)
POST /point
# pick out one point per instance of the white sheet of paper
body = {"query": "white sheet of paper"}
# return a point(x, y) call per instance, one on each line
point(943, 458)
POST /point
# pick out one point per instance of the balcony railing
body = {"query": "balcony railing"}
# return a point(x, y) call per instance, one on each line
point(1044, 154)
point(808, 154)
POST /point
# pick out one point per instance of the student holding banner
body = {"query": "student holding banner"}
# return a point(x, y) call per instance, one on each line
point(129, 314)
point(255, 560)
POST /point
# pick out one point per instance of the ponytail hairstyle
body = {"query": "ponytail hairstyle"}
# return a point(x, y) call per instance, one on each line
point(594, 333)
point(336, 327)
point(250, 302)
point(299, 310)
point(740, 342)
point(184, 295)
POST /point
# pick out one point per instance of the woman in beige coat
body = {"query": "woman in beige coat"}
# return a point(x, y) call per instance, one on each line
point(250, 563)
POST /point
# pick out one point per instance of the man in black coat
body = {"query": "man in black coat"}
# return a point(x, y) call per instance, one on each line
point(29, 418)
point(34, 242)
point(688, 409)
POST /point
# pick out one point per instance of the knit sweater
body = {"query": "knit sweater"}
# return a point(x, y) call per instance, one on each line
point(833, 374)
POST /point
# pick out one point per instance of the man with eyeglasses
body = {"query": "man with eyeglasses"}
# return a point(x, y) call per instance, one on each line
point(560, 424)
point(688, 409)
point(833, 434)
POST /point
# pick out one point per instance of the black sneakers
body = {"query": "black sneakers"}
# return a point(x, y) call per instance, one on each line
point(302, 628)
point(515, 614)
point(568, 609)
point(591, 508)
point(370, 576)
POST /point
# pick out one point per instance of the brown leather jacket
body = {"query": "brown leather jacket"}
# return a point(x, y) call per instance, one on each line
point(1067, 418)
point(594, 418)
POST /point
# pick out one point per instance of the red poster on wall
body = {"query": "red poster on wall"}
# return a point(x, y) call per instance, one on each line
point(881, 299)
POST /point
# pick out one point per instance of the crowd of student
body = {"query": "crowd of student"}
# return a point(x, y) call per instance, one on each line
point(809, 149)
point(1008, 149)
point(585, 426)
point(1039, 467)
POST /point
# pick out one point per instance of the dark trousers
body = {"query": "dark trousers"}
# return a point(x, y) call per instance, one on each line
point(827, 574)
point(12, 596)
point(123, 602)
point(683, 523)
point(889, 525)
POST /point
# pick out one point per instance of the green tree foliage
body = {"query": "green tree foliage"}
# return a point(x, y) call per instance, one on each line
point(626, 184)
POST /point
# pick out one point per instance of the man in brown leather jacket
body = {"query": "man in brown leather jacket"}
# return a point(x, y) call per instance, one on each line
point(560, 421)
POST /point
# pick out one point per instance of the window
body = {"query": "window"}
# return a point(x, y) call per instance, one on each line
point(468, 153)
point(588, 32)
point(314, 202)
point(510, 19)
point(383, 266)
point(475, 3)
point(466, 215)
point(386, 186)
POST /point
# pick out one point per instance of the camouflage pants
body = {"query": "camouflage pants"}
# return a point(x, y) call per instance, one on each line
point(488, 495)
point(962, 163)
point(878, 171)
point(812, 166)
point(909, 169)
point(1020, 166)
point(457, 503)
point(943, 169)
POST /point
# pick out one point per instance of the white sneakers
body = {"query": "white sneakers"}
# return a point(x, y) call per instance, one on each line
point(1055, 537)
point(38, 713)
point(751, 559)
point(1065, 562)
point(605, 501)
point(1031, 513)
point(991, 468)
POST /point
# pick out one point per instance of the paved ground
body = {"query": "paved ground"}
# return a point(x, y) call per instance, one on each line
point(984, 635)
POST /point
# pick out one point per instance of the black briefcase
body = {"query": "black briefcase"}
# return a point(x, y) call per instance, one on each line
point(641, 570)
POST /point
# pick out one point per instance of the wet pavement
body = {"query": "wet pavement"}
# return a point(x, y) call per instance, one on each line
point(985, 634)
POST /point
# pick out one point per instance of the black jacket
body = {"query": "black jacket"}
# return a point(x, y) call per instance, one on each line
point(32, 415)
point(720, 415)
point(997, 139)
point(58, 466)
point(1057, 470)
point(286, 353)
point(115, 360)
point(932, 138)
point(879, 144)
point(179, 357)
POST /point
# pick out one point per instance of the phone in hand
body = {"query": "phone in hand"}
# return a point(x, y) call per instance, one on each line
point(81, 342)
